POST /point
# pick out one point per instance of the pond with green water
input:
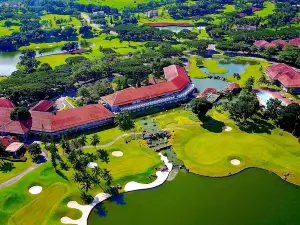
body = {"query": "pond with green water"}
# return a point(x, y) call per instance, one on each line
point(253, 197)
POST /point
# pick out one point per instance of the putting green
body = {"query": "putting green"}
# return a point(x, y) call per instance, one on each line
point(209, 153)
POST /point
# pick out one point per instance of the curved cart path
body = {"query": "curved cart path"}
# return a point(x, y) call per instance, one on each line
point(45, 154)
point(19, 176)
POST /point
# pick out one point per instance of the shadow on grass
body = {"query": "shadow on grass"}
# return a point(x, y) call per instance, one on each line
point(256, 126)
point(211, 124)
point(101, 210)
point(6, 167)
point(61, 174)
point(118, 199)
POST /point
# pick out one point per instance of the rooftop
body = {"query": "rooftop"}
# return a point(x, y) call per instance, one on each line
point(15, 146)
point(177, 80)
point(285, 74)
point(43, 106)
point(6, 103)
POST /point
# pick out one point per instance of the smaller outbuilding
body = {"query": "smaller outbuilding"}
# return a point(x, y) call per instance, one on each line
point(15, 149)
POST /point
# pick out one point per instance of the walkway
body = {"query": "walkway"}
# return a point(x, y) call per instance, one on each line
point(88, 20)
point(18, 177)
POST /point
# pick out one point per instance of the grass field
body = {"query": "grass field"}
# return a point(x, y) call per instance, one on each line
point(119, 4)
point(38, 46)
point(213, 66)
point(17, 206)
point(268, 9)
point(194, 71)
point(51, 18)
point(203, 35)
point(209, 151)
point(6, 31)
point(38, 210)
point(229, 8)
point(11, 169)
point(55, 60)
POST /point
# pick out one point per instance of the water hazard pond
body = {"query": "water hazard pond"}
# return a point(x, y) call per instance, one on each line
point(253, 197)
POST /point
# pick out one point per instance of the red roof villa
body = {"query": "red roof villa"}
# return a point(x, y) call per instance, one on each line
point(295, 41)
point(284, 76)
point(177, 88)
point(58, 123)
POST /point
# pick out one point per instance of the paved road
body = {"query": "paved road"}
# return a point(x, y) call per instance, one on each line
point(88, 20)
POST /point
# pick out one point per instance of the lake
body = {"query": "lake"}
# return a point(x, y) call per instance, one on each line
point(174, 28)
point(233, 66)
point(201, 84)
point(9, 60)
point(253, 197)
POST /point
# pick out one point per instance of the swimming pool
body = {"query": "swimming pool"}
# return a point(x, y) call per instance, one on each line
point(263, 97)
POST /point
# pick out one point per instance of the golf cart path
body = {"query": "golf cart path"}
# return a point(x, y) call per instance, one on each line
point(19, 176)
point(45, 154)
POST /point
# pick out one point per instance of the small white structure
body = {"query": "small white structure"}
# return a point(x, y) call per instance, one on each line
point(34, 190)
point(14, 148)
point(117, 153)
point(235, 162)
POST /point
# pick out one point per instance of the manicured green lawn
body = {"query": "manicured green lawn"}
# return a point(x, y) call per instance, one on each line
point(194, 71)
point(119, 4)
point(2, 78)
point(213, 66)
point(203, 34)
point(209, 151)
point(106, 134)
point(55, 60)
point(268, 9)
point(11, 169)
point(6, 31)
point(37, 211)
point(229, 8)
point(52, 18)
point(38, 46)
point(16, 204)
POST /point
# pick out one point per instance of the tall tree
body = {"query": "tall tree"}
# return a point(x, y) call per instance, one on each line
point(245, 106)
point(200, 106)
point(124, 121)
point(95, 140)
point(35, 151)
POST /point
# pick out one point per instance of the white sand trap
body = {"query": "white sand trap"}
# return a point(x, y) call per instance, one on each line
point(50, 45)
point(235, 162)
point(92, 165)
point(34, 190)
point(226, 128)
point(37, 47)
point(161, 178)
point(131, 186)
point(117, 153)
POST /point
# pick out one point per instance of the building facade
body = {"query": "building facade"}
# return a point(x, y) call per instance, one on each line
point(176, 89)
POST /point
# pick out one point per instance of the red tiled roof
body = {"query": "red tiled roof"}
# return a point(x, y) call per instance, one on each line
point(66, 119)
point(6, 103)
point(208, 91)
point(254, 9)
point(297, 18)
point(261, 44)
point(50, 122)
point(154, 80)
point(9, 126)
point(43, 106)
point(7, 140)
point(177, 80)
point(169, 24)
point(278, 42)
point(242, 14)
point(285, 74)
point(295, 41)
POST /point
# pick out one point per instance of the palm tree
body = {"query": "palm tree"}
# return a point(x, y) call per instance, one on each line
point(82, 140)
point(103, 155)
point(107, 176)
point(95, 140)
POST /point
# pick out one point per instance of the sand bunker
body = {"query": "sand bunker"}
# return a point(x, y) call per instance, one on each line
point(34, 190)
point(117, 153)
point(226, 128)
point(235, 162)
point(92, 165)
